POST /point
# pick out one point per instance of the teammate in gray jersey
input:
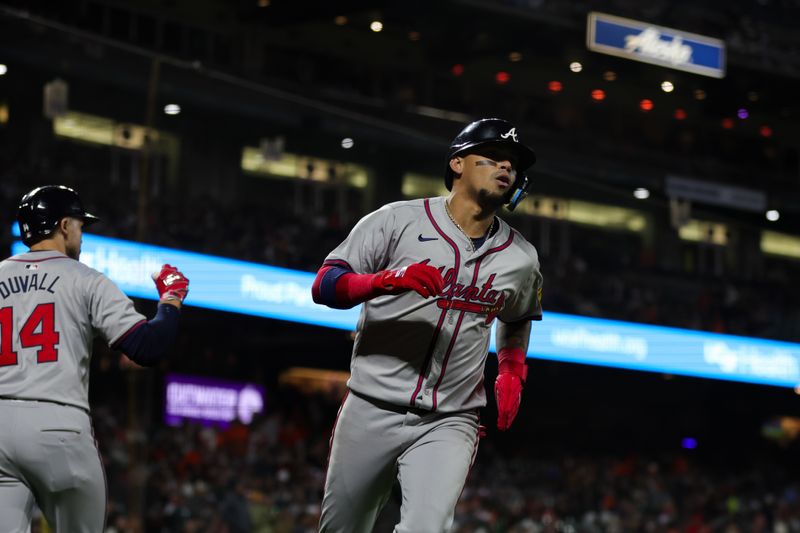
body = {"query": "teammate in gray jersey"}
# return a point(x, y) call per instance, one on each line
point(433, 275)
point(51, 308)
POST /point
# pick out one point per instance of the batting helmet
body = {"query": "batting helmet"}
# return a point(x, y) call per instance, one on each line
point(497, 132)
point(40, 210)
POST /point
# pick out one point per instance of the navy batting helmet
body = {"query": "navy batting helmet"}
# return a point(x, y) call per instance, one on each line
point(497, 132)
point(40, 210)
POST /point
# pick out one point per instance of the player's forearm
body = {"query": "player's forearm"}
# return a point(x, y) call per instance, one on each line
point(513, 335)
point(512, 369)
point(147, 344)
point(339, 288)
point(512, 347)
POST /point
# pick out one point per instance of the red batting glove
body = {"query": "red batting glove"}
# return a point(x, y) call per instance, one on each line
point(512, 372)
point(424, 279)
point(171, 284)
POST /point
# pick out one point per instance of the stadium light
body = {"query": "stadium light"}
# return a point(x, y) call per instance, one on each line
point(376, 26)
point(773, 215)
point(502, 77)
point(172, 109)
point(641, 193)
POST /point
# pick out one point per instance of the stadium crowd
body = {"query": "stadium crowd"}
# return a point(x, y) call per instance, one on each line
point(267, 478)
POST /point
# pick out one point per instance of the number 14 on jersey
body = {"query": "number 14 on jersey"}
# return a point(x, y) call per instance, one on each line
point(38, 330)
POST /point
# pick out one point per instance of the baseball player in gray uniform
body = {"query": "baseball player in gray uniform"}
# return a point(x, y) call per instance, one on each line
point(51, 308)
point(433, 275)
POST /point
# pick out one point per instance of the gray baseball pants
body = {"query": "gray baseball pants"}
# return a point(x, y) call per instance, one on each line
point(373, 443)
point(48, 455)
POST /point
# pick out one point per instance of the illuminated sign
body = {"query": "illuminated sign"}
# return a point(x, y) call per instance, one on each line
point(657, 45)
point(280, 293)
point(595, 341)
point(216, 282)
point(210, 401)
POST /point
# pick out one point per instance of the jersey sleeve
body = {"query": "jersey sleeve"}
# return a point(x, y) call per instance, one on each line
point(112, 313)
point(366, 249)
point(526, 304)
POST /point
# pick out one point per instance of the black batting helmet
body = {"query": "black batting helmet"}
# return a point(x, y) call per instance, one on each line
point(498, 132)
point(40, 210)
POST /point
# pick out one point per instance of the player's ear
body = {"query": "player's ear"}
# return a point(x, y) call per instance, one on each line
point(62, 225)
point(457, 165)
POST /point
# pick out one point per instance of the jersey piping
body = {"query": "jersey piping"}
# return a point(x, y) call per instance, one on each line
point(431, 348)
point(461, 315)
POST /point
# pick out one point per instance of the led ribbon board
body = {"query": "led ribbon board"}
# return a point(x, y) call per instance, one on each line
point(216, 282)
point(648, 43)
point(210, 401)
point(280, 293)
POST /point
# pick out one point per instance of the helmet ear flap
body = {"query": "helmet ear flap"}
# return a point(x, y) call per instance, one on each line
point(520, 193)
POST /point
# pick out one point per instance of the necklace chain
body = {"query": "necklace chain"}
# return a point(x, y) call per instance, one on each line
point(469, 239)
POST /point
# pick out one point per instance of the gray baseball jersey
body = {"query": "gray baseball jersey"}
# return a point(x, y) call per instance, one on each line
point(51, 308)
point(430, 353)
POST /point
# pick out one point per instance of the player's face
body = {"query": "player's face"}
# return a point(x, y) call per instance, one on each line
point(72, 241)
point(491, 173)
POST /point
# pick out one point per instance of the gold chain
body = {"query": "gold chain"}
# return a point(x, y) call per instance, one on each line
point(469, 239)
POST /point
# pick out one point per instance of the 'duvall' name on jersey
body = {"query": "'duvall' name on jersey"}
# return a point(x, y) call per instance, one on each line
point(29, 283)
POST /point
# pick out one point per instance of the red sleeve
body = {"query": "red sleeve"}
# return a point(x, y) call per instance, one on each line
point(512, 360)
point(340, 288)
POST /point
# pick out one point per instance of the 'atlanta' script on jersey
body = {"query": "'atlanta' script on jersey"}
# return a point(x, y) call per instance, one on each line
point(471, 298)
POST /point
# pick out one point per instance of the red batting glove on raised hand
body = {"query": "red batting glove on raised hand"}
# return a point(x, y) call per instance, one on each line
point(423, 278)
point(511, 374)
point(171, 284)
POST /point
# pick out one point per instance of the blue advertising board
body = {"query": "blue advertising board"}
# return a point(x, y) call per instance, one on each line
point(216, 282)
point(284, 294)
point(658, 45)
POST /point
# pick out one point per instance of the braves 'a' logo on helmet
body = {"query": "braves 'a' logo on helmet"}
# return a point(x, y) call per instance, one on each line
point(510, 133)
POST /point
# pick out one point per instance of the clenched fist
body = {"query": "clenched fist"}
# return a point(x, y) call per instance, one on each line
point(171, 284)
point(422, 278)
